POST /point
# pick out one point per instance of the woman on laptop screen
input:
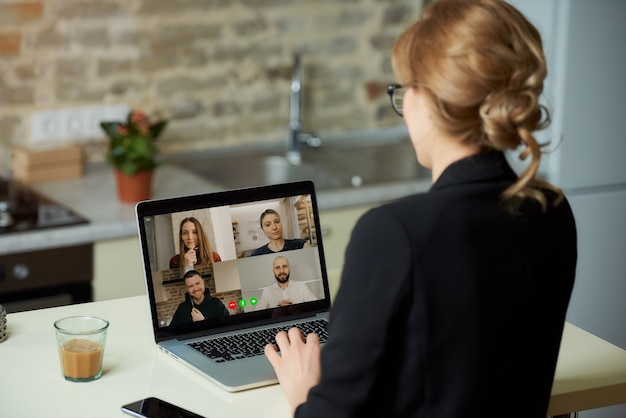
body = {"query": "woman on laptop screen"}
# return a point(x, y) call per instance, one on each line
point(194, 245)
point(273, 229)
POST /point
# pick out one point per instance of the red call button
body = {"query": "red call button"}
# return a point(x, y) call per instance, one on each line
point(232, 304)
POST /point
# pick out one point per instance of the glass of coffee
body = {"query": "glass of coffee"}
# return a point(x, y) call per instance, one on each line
point(81, 341)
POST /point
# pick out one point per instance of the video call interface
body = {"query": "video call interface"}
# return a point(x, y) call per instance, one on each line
point(233, 253)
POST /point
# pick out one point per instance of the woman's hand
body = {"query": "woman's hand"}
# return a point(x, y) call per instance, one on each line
point(297, 366)
point(190, 257)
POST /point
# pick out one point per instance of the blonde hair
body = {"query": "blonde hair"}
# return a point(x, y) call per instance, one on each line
point(481, 68)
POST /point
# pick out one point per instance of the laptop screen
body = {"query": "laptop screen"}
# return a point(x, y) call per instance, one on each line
point(224, 259)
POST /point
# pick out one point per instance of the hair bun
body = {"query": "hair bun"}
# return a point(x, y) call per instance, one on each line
point(506, 111)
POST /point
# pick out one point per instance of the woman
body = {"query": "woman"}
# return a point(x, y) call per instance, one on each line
point(472, 279)
point(273, 229)
point(194, 245)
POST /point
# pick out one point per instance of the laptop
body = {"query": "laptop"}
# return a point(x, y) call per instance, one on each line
point(239, 278)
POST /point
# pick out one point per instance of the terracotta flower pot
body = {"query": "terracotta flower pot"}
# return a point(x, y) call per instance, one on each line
point(135, 187)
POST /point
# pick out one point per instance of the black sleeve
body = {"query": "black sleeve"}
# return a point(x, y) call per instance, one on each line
point(216, 309)
point(174, 261)
point(181, 316)
point(223, 309)
point(375, 276)
point(257, 251)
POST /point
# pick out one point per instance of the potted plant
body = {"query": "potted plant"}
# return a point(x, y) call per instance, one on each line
point(132, 153)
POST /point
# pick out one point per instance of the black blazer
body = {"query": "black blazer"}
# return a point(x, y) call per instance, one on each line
point(449, 306)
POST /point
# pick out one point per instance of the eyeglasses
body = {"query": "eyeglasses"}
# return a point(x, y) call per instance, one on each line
point(396, 93)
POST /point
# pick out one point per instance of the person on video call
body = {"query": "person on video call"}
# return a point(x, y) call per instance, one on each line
point(273, 229)
point(461, 309)
point(199, 304)
point(284, 292)
point(194, 245)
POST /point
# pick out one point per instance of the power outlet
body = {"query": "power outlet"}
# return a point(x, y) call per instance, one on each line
point(60, 125)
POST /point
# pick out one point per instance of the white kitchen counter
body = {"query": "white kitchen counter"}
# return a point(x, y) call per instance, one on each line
point(590, 372)
point(94, 196)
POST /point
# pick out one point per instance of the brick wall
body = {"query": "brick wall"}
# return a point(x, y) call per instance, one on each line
point(218, 69)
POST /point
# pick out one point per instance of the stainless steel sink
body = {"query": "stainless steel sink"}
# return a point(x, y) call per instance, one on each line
point(334, 165)
point(256, 169)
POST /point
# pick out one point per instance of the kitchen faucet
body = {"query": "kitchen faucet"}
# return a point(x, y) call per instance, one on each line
point(295, 137)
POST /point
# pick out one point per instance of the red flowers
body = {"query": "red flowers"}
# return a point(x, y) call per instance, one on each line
point(132, 147)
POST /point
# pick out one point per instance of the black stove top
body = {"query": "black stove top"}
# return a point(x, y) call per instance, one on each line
point(22, 209)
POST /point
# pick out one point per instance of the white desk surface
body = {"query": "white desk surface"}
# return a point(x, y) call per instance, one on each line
point(590, 373)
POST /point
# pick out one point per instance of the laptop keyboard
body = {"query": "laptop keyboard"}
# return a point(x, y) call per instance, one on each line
point(250, 344)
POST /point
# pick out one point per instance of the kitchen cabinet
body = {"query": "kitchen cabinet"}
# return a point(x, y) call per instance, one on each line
point(337, 226)
point(118, 269)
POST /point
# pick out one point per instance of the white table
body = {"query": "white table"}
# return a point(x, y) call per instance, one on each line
point(31, 384)
point(590, 373)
